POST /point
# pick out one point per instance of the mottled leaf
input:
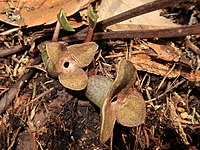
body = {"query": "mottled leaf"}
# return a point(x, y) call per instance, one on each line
point(97, 89)
point(75, 80)
point(130, 106)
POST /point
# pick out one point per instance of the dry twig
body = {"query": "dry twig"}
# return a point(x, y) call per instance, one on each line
point(10, 95)
point(190, 45)
point(13, 50)
point(146, 8)
point(158, 33)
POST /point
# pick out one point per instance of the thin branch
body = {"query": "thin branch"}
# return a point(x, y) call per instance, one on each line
point(146, 8)
point(12, 50)
point(193, 47)
point(40, 96)
point(11, 94)
point(9, 31)
point(158, 33)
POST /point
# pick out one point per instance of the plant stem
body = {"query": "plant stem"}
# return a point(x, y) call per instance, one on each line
point(89, 36)
point(56, 32)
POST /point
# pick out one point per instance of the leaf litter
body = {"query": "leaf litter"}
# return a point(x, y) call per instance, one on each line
point(46, 115)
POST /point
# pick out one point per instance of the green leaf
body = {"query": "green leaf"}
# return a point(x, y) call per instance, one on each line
point(92, 17)
point(44, 56)
point(63, 21)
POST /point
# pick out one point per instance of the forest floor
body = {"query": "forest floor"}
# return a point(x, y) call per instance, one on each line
point(45, 115)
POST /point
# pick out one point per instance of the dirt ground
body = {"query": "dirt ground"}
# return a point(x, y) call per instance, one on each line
point(45, 115)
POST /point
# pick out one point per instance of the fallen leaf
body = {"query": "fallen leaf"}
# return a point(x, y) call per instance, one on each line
point(152, 20)
point(193, 76)
point(33, 13)
point(39, 119)
point(20, 101)
point(24, 141)
point(144, 62)
point(165, 52)
point(147, 62)
point(175, 119)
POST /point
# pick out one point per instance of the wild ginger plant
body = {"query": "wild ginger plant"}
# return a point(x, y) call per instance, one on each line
point(118, 100)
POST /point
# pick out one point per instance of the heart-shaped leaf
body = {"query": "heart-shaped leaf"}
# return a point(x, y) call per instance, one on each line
point(126, 76)
point(129, 107)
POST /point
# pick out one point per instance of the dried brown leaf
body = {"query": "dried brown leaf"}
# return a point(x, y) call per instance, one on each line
point(33, 13)
point(152, 20)
point(143, 62)
point(165, 52)
point(193, 76)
